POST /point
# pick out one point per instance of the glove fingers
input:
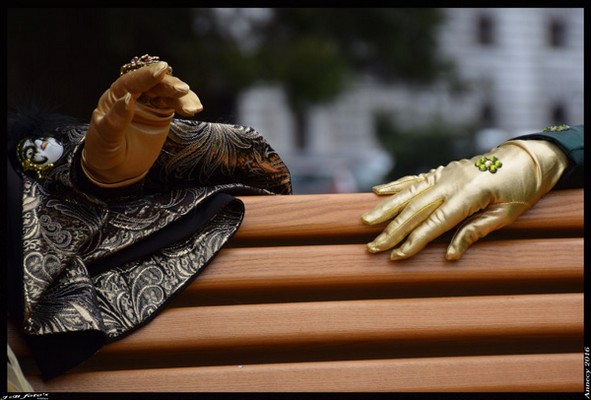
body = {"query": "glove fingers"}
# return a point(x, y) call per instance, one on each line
point(169, 86)
point(390, 207)
point(187, 105)
point(396, 186)
point(384, 211)
point(398, 229)
point(105, 137)
point(440, 221)
point(481, 224)
point(111, 124)
point(141, 80)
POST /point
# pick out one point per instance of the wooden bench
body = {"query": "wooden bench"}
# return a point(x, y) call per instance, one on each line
point(296, 303)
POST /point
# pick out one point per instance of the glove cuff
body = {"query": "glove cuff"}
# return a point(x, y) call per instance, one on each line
point(97, 180)
point(549, 160)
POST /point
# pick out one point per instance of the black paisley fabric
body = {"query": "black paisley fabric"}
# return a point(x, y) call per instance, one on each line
point(95, 265)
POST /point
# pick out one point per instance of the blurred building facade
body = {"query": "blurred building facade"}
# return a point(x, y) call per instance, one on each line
point(523, 68)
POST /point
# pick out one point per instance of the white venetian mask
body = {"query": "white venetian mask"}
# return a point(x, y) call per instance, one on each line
point(39, 154)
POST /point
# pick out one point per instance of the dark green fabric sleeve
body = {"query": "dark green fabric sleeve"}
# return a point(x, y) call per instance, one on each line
point(572, 141)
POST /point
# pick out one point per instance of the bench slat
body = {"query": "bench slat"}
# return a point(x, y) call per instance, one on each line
point(503, 373)
point(338, 215)
point(493, 323)
point(316, 273)
point(360, 320)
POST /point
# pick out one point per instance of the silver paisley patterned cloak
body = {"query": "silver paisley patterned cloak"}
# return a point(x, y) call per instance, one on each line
point(96, 265)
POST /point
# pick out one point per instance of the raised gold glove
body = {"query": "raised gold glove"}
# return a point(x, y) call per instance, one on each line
point(492, 190)
point(131, 122)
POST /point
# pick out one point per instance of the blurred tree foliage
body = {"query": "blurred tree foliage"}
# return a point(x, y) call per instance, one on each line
point(69, 56)
point(315, 52)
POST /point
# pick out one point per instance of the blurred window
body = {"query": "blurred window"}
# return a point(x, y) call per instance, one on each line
point(556, 33)
point(488, 116)
point(558, 114)
point(485, 30)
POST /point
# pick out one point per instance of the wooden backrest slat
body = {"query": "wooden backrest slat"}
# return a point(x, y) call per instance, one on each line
point(338, 215)
point(501, 373)
point(343, 322)
point(304, 273)
point(353, 321)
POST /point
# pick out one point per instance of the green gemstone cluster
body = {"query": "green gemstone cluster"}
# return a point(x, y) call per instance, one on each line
point(558, 128)
point(488, 164)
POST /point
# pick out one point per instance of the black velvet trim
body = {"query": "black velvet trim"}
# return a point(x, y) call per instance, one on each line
point(193, 222)
point(14, 251)
point(56, 353)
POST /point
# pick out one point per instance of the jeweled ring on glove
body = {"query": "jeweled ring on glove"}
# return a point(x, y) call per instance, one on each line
point(488, 164)
point(139, 62)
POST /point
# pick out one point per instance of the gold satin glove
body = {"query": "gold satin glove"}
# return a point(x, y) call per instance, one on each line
point(131, 123)
point(425, 206)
